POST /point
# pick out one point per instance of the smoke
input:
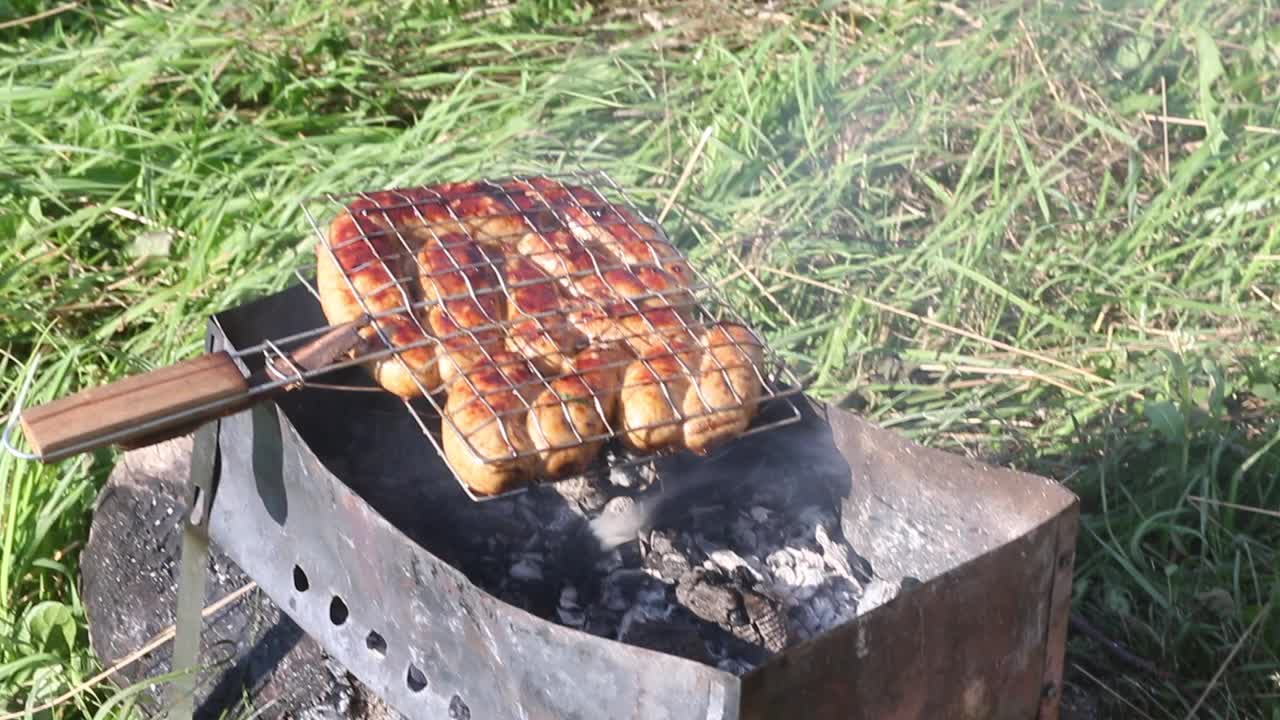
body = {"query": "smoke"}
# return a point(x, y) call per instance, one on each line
point(622, 522)
point(752, 466)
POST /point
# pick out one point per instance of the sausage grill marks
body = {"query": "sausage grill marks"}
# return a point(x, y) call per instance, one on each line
point(550, 318)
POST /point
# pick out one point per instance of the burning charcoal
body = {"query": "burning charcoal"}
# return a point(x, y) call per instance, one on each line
point(629, 554)
point(609, 562)
point(668, 566)
point(601, 623)
point(862, 570)
point(661, 541)
point(876, 593)
point(746, 576)
point(625, 472)
point(583, 495)
point(564, 522)
point(663, 636)
point(742, 532)
point(766, 619)
point(620, 523)
point(724, 567)
point(844, 606)
point(797, 573)
point(807, 620)
point(528, 568)
point(571, 617)
point(732, 562)
point(779, 563)
point(619, 505)
point(735, 666)
point(675, 633)
point(569, 611)
point(707, 595)
point(621, 588)
point(688, 546)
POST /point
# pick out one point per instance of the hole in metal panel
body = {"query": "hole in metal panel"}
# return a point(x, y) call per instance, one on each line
point(337, 611)
point(415, 679)
point(300, 582)
point(376, 643)
point(458, 710)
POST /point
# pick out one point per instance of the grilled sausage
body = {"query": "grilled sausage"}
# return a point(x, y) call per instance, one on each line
point(539, 329)
point(362, 247)
point(490, 216)
point(652, 330)
point(619, 231)
point(484, 431)
point(634, 305)
point(602, 257)
point(570, 419)
point(460, 276)
point(727, 393)
point(652, 394)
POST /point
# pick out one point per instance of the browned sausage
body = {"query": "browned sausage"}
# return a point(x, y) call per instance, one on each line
point(726, 396)
point(653, 391)
point(615, 228)
point(364, 253)
point(571, 420)
point(484, 431)
point(539, 328)
point(461, 277)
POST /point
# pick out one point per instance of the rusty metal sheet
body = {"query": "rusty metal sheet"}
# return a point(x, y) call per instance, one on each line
point(981, 632)
point(969, 644)
point(1068, 526)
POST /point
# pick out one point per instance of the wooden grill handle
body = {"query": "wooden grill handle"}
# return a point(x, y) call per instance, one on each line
point(92, 418)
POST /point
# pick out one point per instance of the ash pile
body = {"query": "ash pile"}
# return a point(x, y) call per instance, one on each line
point(725, 561)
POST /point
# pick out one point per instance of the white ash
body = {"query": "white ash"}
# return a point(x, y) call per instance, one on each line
point(528, 567)
point(724, 570)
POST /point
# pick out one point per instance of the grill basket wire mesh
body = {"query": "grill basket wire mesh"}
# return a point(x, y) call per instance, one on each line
point(697, 303)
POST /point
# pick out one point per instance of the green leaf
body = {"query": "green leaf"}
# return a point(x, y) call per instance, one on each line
point(1267, 392)
point(1117, 601)
point(1167, 420)
point(1135, 50)
point(1210, 70)
point(48, 622)
point(1138, 103)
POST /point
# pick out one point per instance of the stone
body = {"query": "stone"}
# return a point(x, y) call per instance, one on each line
point(129, 578)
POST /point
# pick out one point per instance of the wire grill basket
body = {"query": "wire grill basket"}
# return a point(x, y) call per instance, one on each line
point(606, 242)
point(527, 321)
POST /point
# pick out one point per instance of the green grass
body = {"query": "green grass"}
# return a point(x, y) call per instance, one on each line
point(957, 222)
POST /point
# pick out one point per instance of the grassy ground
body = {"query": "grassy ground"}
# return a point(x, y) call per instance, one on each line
point(964, 223)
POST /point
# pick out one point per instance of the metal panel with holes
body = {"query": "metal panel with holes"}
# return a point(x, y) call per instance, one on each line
point(315, 503)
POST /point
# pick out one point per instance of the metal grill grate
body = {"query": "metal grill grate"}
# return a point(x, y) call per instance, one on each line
point(649, 316)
